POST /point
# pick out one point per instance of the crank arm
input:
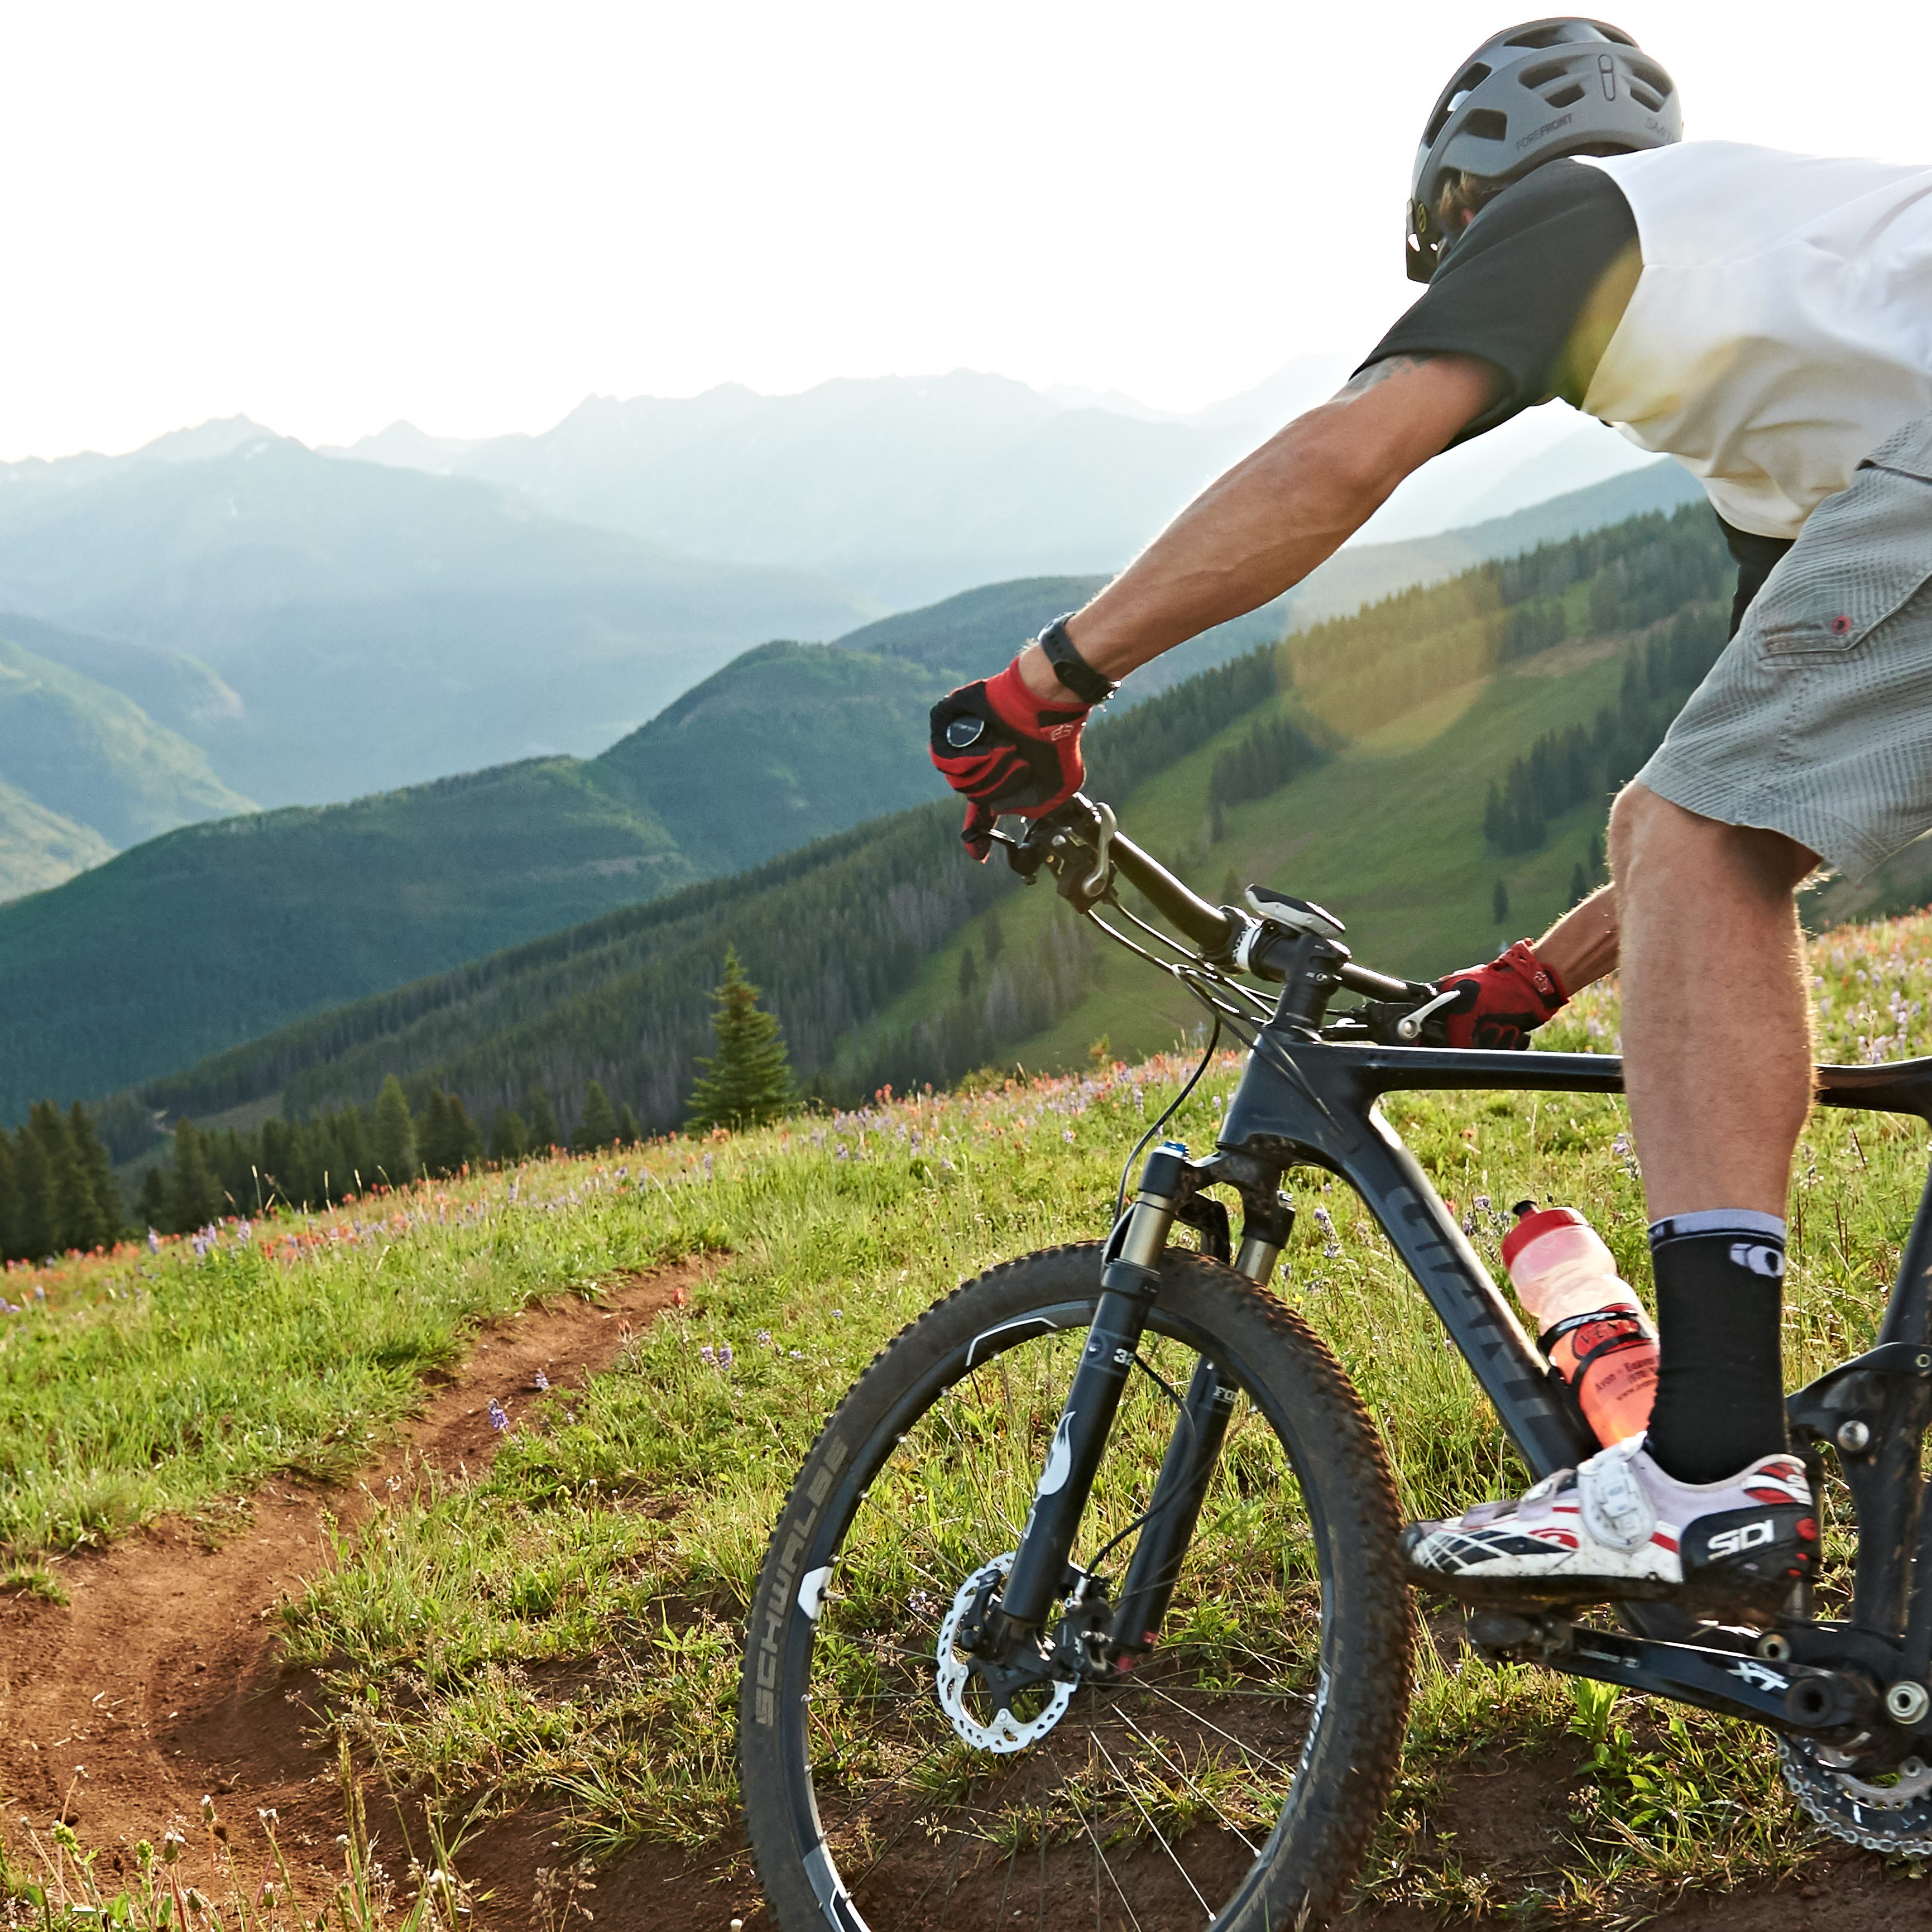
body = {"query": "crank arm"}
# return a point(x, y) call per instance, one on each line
point(1788, 1696)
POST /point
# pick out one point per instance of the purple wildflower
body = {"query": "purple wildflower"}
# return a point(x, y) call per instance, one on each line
point(724, 1355)
point(499, 1420)
point(541, 1380)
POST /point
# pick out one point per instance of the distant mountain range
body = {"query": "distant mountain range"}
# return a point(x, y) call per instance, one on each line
point(908, 489)
point(377, 626)
point(322, 626)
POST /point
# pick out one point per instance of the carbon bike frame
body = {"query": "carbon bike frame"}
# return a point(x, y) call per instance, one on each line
point(1308, 1099)
point(1305, 1101)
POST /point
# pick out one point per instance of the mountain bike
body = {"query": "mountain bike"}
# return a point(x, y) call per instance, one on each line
point(1086, 1607)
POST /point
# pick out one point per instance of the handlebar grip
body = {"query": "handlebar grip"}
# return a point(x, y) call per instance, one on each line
point(1206, 925)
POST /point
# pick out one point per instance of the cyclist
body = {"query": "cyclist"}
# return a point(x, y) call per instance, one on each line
point(1760, 316)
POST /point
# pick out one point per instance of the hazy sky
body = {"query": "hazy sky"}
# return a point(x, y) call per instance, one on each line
point(473, 215)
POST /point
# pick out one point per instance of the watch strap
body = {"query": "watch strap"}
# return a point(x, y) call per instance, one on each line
point(1069, 667)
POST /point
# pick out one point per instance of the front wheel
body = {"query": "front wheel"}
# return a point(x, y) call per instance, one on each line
point(1231, 1779)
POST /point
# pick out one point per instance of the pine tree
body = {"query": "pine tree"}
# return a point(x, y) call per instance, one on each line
point(1579, 884)
point(993, 936)
point(748, 1081)
point(969, 973)
point(39, 1208)
point(194, 1194)
point(10, 1201)
point(509, 1138)
point(465, 1138)
point(110, 1211)
point(393, 1140)
point(434, 1148)
point(598, 1127)
point(629, 1132)
point(70, 1217)
point(1499, 903)
point(154, 1201)
point(544, 1130)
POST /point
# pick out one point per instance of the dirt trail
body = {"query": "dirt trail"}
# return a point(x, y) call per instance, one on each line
point(158, 1681)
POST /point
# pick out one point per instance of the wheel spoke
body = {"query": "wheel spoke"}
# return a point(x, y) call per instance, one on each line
point(1153, 1745)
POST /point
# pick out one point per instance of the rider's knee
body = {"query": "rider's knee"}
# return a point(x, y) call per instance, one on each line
point(1654, 842)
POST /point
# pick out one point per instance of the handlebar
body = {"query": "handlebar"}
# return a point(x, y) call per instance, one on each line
point(1083, 845)
point(1208, 926)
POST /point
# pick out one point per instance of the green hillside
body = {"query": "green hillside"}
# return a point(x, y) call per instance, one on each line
point(862, 942)
point(216, 932)
point(174, 689)
point(93, 757)
point(282, 912)
point(39, 848)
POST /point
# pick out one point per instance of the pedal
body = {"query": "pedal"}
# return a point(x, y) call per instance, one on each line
point(1499, 1635)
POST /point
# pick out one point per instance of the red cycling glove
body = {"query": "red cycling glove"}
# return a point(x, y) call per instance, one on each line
point(1504, 1002)
point(1005, 751)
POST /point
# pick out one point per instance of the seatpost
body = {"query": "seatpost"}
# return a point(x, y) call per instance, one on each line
point(1129, 1283)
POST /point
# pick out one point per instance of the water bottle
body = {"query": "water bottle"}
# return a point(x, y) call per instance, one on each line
point(1592, 1331)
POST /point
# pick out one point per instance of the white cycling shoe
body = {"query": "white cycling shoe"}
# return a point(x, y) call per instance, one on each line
point(1617, 1528)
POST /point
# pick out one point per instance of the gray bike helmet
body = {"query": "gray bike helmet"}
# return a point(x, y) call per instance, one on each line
point(1564, 86)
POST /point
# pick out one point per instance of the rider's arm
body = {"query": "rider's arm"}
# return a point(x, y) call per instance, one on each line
point(1519, 312)
point(1581, 946)
point(1271, 519)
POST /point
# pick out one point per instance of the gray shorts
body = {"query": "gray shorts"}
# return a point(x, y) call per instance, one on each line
point(1816, 722)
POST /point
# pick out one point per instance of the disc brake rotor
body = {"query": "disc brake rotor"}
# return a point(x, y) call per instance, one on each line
point(1895, 1817)
point(1002, 1732)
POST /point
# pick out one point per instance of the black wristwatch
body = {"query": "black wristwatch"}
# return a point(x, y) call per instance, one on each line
point(1070, 667)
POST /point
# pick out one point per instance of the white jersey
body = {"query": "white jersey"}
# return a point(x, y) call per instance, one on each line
point(1782, 327)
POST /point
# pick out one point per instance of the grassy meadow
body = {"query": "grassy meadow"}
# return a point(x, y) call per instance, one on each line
point(563, 1630)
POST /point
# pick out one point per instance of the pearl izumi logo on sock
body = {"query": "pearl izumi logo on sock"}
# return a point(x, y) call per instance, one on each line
point(1767, 1262)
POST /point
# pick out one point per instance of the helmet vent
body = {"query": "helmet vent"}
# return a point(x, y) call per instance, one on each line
point(1643, 94)
point(1552, 34)
point(1465, 85)
point(1652, 76)
point(1486, 125)
point(1544, 73)
point(1565, 97)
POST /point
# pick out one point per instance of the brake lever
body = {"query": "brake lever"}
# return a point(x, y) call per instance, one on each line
point(1095, 884)
point(1392, 1023)
point(1409, 1028)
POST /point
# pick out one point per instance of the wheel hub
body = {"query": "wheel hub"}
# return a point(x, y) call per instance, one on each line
point(978, 1696)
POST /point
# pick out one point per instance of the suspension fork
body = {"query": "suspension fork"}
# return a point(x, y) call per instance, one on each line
point(1128, 1285)
point(1185, 1471)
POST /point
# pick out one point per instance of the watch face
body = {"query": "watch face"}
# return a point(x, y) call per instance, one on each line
point(964, 731)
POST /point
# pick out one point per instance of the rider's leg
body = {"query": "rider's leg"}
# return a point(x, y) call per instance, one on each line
point(1716, 1022)
point(1717, 1065)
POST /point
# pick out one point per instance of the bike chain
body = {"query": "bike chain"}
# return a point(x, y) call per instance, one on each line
point(1826, 1798)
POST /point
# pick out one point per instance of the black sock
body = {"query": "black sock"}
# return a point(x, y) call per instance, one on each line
point(1719, 1308)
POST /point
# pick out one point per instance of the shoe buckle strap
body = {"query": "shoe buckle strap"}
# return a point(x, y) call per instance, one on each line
point(1616, 1509)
